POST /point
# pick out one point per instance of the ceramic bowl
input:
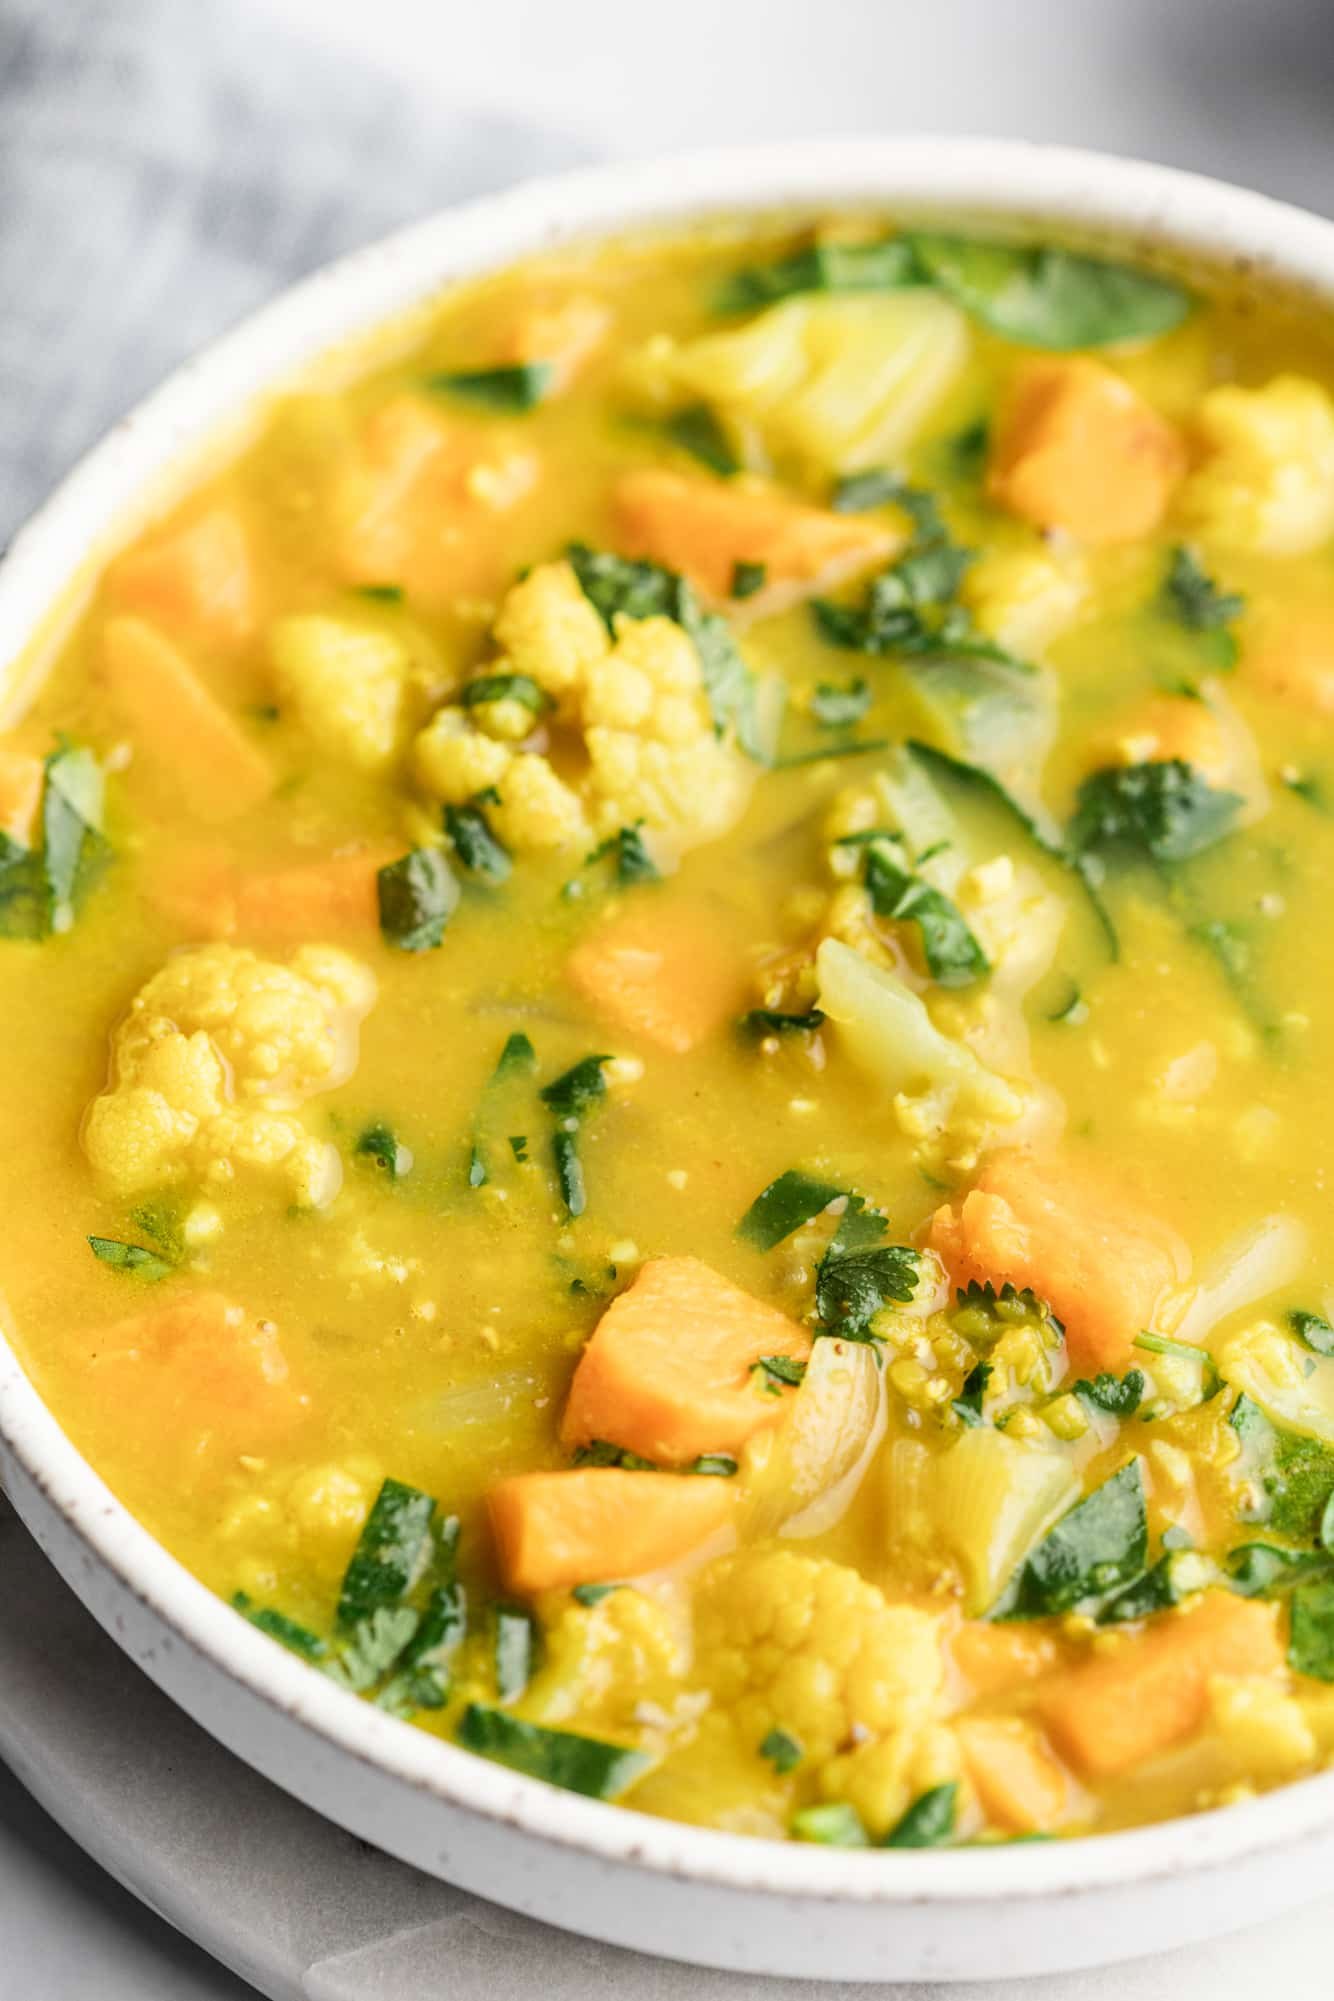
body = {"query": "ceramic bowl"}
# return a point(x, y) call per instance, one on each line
point(686, 1892)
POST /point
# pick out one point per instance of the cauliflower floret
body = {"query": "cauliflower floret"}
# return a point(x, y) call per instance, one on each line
point(652, 754)
point(800, 1644)
point(1267, 484)
point(1025, 598)
point(218, 1051)
point(537, 809)
point(882, 1779)
point(616, 1666)
point(550, 631)
point(1264, 1730)
point(454, 761)
point(347, 684)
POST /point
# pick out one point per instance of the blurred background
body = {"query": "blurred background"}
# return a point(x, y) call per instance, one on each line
point(166, 165)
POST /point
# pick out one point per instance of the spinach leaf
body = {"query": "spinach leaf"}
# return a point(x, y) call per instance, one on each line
point(633, 862)
point(392, 1552)
point(480, 851)
point(1119, 1396)
point(1100, 1544)
point(72, 843)
point(953, 955)
point(517, 1059)
point(1313, 1331)
point(834, 1825)
point(836, 708)
point(1195, 601)
point(761, 1021)
point(1262, 1570)
point(417, 896)
point(1176, 1575)
point(788, 1202)
point(1311, 1629)
point(297, 1638)
point(570, 1097)
point(748, 579)
point(378, 1143)
point(515, 1651)
point(521, 688)
point(619, 586)
point(1292, 1475)
point(561, 1757)
point(1162, 811)
point(819, 267)
point(697, 431)
point(134, 1258)
point(783, 1751)
point(977, 779)
point(1045, 297)
point(519, 386)
point(929, 1821)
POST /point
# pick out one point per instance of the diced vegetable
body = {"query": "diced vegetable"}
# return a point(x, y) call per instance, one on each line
point(667, 1372)
point(1018, 1783)
point(990, 1499)
point(995, 1658)
point(1078, 449)
point(417, 897)
point(394, 1549)
point(214, 768)
point(830, 1434)
point(197, 581)
point(1099, 1545)
point(561, 1757)
point(928, 1822)
point(1103, 1263)
point(673, 978)
point(1293, 1387)
point(591, 1523)
point(1121, 1707)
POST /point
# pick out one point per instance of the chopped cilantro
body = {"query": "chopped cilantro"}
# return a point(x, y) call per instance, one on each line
point(696, 430)
point(761, 1021)
point(838, 708)
point(1043, 296)
point(570, 1098)
point(378, 1144)
point(1311, 1629)
point(1099, 1545)
point(788, 1202)
point(394, 1549)
point(880, 266)
point(479, 850)
point(1160, 812)
point(968, 1404)
point(781, 1369)
point(953, 955)
point(601, 1452)
point(592, 1594)
point(1119, 1396)
point(783, 1752)
point(720, 1465)
point(629, 851)
point(1195, 601)
point(519, 688)
point(748, 579)
point(516, 387)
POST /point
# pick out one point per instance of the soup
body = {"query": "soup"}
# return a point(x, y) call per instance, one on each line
point(667, 994)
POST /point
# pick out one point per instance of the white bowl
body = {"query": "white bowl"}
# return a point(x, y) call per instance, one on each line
point(692, 1894)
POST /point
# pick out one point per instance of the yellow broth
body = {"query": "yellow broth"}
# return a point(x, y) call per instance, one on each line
point(423, 1323)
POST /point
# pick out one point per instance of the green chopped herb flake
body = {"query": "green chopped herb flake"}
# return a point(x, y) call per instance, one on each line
point(379, 1145)
point(417, 896)
point(697, 431)
point(517, 387)
point(835, 1825)
point(788, 1202)
point(761, 1021)
point(748, 579)
point(515, 1651)
point(392, 1553)
point(296, 1638)
point(481, 852)
point(783, 1752)
point(134, 1258)
point(928, 1822)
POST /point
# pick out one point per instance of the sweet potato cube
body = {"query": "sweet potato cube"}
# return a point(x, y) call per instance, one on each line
point(595, 1524)
point(668, 1371)
point(1100, 1260)
point(672, 977)
point(1078, 449)
point(1118, 1708)
point(197, 581)
point(704, 528)
point(176, 721)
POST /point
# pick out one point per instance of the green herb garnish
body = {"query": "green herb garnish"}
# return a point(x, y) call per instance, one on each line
point(1163, 811)
point(1097, 1546)
point(1195, 601)
point(134, 1258)
point(519, 688)
point(1313, 1331)
point(697, 431)
point(836, 1825)
point(377, 1143)
point(516, 387)
point(748, 579)
point(515, 1651)
point(929, 1821)
point(788, 1202)
point(417, 896)
point(570, 1098)
point(838, 708)
point(953, 955)
point(1119, 1396)
point(783, 1752)
point(761, 1021)
point(480, 851)
point(392, 1553)
point(1041, 296)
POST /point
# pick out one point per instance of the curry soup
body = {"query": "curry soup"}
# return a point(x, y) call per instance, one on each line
point(668, 1005)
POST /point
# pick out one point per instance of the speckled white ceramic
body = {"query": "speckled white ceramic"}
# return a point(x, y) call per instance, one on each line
point(680, 1891)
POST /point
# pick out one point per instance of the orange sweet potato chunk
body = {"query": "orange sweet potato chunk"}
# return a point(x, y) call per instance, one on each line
point(672, 977)
point(1293, 659)
point(562, 334)
point(21, 775)
point(1078, 449)
point(594, 1524)
point(667, 1373)
point(302, 903)
point(176, 721)
point(1118, 1708)
point(1018, 1783)
point(704, 528)
point(995, 1658)
point(1102, 1262)
point(198, 581)
point(197, 1369)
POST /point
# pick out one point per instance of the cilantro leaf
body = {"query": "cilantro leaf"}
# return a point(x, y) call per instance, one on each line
point(133, 1258)
point(953, 955)
point(852, 1286)
point(783, 1751)
point(968, 1404)
point(481, 852)
point(748, 579)
point(516, 387)
point(1099, 1544)
point(836, 708)
point(519, 688)
point(697, 431)
point(392, 1552)
point(1043, 296)
point(1119, 1396)
point(760, 1021)
point(790, 1200)
point(1195, 601)
point(1162, 811)
point(379, 1144)
point(929, 1821)
point(881, 266)
point(417, 896)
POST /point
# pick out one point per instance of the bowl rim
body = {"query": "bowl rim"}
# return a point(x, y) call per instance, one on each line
point(1146, 209)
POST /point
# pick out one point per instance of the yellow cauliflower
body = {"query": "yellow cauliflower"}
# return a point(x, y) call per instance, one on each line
point(1267, 482)
point(210, 1065)
point(347, 685)
point(803, 1645)
point(1025, 598)
point(615, 1667)
point(641, 742)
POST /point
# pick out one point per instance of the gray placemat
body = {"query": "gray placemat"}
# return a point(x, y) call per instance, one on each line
point(168, 165)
